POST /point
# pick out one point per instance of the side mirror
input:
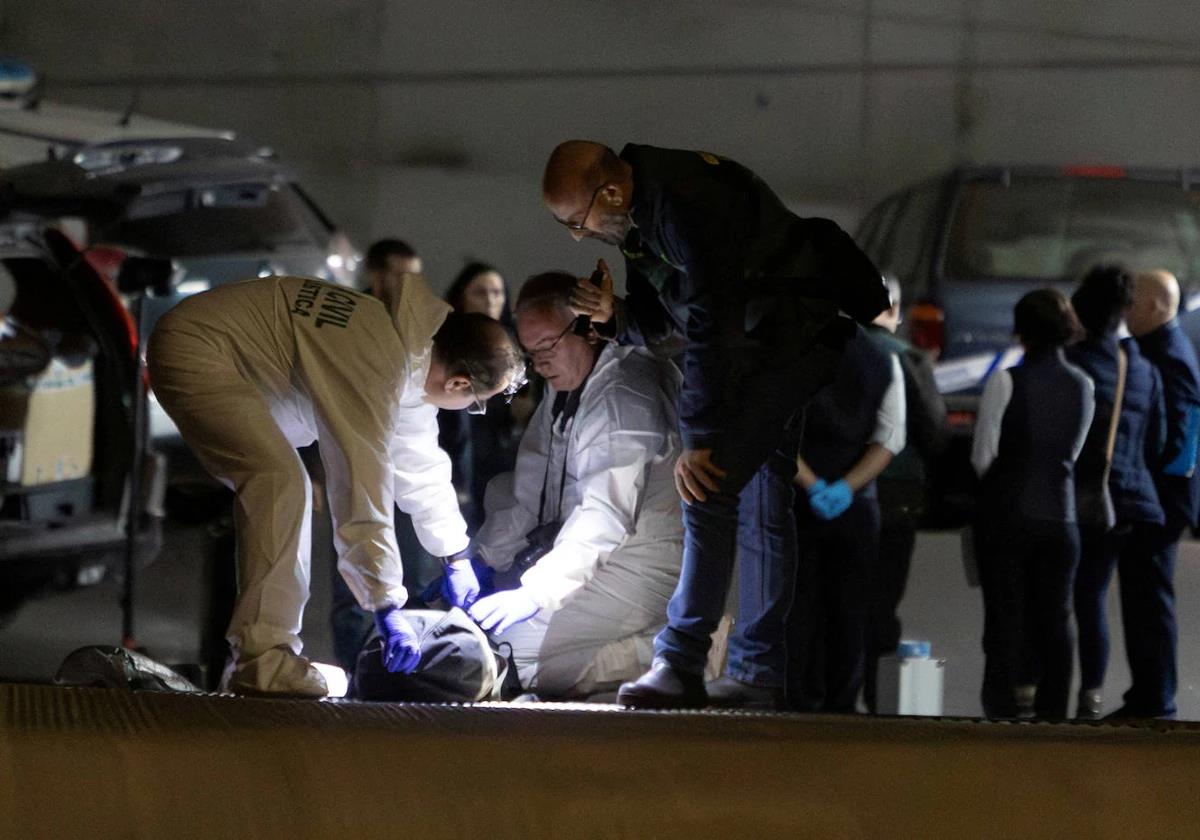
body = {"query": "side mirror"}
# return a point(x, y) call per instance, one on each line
point(150, 275)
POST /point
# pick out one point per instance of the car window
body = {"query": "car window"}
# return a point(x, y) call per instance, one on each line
point(216, 219)
point(873, 233)
point(1052, 229)
point(910, 241)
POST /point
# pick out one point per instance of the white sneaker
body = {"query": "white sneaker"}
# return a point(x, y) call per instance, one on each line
point(275, 673)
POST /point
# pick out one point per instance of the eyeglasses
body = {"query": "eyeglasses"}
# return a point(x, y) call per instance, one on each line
point(582, 223)
point(478, 406)
point(546, 352)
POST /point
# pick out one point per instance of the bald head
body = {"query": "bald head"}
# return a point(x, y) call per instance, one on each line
point(588, 189)
point(1155, 301)
point(574, 170)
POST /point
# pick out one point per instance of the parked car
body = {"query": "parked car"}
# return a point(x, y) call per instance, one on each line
point(966, 245)
point(67, 443)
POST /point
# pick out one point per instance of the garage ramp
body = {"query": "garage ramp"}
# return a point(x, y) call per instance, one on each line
point(108, 763)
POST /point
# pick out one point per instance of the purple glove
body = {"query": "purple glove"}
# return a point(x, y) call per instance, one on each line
point(831, 501)
point(401, 645)
point(496, 613)
point(460, 586)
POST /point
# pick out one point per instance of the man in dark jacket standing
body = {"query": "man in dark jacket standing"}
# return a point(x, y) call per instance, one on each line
point(1147, 568)
point(758, 297)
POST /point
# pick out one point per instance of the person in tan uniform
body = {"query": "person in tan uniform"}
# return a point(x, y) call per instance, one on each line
point(252, 370)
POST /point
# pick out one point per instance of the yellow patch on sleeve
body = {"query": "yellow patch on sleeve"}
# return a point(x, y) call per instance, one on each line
point(709, 158)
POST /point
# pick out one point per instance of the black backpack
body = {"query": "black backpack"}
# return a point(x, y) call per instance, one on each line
point(459, 664)
point(100, 666)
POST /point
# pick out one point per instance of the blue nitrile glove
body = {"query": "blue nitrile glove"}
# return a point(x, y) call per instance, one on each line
point(486, 576)
point(401, 645)
point(460, 587)
point(1185, 462)
point(832, 501)
point(496, 613)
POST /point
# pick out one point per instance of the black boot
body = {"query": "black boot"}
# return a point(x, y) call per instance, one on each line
point(727, 692)
point(664, 687)
point(1091, 704)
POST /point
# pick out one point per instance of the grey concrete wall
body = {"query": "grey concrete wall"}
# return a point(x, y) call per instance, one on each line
point(432, 120)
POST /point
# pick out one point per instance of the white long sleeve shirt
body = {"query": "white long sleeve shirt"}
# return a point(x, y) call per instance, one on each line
point(336, 366)
point(891, 421)
point(607, 477)
point(985, 445)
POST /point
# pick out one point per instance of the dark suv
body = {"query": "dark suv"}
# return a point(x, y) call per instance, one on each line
point(965, 246)
point(64, 522)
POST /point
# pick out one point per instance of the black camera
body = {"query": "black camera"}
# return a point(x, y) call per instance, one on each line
point(537, 542)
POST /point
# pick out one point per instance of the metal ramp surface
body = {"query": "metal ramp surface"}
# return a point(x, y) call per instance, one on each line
point(107, 763)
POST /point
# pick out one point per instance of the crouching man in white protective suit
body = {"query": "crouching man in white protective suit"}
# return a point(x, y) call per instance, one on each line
point(597, 457)
point(253, 370)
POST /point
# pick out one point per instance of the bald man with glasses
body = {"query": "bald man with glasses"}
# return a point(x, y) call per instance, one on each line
point(760, 298)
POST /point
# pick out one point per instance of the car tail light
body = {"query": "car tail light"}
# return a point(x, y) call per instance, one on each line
point(1094, 171)
point(927, 327)
point(960, 419)
point(106, 262)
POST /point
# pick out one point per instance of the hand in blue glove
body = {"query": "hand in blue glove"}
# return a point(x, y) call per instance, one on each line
point(401, 645)
point(496, 613)
point(460, 587)
point(1184, 464)
point(832, 500)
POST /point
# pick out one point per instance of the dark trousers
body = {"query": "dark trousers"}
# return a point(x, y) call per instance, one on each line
point(887, 582)
point(770, 382)
point(1100, 550)
point(827, 623)
point(350, 623)
point(1147, 572)
point(1027, 573)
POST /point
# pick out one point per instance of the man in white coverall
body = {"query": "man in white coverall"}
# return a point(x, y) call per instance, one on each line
point(253, 370)
point(597, 457)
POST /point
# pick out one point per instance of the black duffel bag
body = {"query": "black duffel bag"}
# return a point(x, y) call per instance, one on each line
point(459, 664)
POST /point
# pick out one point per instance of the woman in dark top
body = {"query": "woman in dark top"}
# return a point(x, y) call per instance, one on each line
point(1032, 423)
point(1101, 301)
point(481, 446)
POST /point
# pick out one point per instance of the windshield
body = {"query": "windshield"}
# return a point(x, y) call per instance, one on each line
point(216, 219)
point(1048, 229)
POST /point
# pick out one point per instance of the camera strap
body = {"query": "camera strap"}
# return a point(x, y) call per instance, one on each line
point(566, 404)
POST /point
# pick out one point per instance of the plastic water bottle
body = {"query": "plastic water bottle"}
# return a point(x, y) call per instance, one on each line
point(909, 682)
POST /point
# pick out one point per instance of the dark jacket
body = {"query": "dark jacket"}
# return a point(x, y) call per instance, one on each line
point(841, 419)
point(481, 447)
point(1033, 476)
point(1169, 350)
point(1141, 428)
point(711, 248)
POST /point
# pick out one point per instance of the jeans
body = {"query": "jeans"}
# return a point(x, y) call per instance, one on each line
point(770, 382)
point(1147, 572)
point(1027, 577)
point(1097, 562)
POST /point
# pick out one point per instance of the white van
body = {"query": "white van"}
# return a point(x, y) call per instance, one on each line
point(222, 209)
